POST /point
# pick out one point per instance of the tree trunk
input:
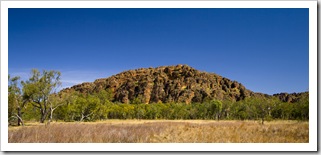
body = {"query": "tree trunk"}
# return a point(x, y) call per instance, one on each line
point(51, 112)
point(43, 115)
point(82, 117)
point(19, 115)
point(218, 117)
point(42, 119)
point(20, 122)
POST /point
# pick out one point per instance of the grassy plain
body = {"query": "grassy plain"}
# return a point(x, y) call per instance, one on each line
point(162, 131)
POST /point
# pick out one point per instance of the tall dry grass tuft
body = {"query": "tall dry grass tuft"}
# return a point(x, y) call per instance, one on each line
point(131, 131)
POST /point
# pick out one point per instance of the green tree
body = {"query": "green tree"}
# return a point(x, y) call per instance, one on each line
point(239, 110)
point(57, 101)
point(86, 107)
point(226, 107)
point(38, 90)
point(105, 96)
point(216, 107)
point(67, 110)
point(15, 102)
point(263, 107)
point(138, 99)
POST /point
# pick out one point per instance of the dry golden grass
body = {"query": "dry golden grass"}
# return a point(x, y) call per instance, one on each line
point(237, 132)
point(163, 131)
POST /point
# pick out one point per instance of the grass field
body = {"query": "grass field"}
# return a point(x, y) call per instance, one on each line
point(162, 131)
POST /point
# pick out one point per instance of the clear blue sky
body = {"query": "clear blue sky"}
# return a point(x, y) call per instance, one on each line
point(264, 49)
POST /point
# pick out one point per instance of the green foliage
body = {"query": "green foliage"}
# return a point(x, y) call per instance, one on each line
point(86, 107)
point(137, 100)
point(13, 95)
point(39, 91)
point(104, 95)
point(38, 88)
point(15, 101)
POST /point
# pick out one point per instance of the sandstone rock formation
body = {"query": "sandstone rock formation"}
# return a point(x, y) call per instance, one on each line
point(293, 97)
point(179, 83)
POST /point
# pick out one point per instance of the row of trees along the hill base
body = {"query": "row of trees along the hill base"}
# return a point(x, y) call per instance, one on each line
point(36, 99)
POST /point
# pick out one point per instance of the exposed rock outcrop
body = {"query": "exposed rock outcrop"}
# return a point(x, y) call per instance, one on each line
point(293, 97)
point(179, 83)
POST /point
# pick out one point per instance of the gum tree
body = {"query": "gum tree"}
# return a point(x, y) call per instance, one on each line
point(38, 90)
point(15, 102)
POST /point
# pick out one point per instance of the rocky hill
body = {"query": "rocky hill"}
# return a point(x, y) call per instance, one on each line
point(180, 83)
point(293, 97)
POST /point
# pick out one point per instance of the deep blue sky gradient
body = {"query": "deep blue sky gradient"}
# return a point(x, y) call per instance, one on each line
point(264, 49)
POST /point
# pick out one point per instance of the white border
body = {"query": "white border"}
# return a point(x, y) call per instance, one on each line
point(311, 146)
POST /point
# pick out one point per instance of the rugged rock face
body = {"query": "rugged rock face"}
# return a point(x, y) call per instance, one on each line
point(179, 83)
point(293, 97)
